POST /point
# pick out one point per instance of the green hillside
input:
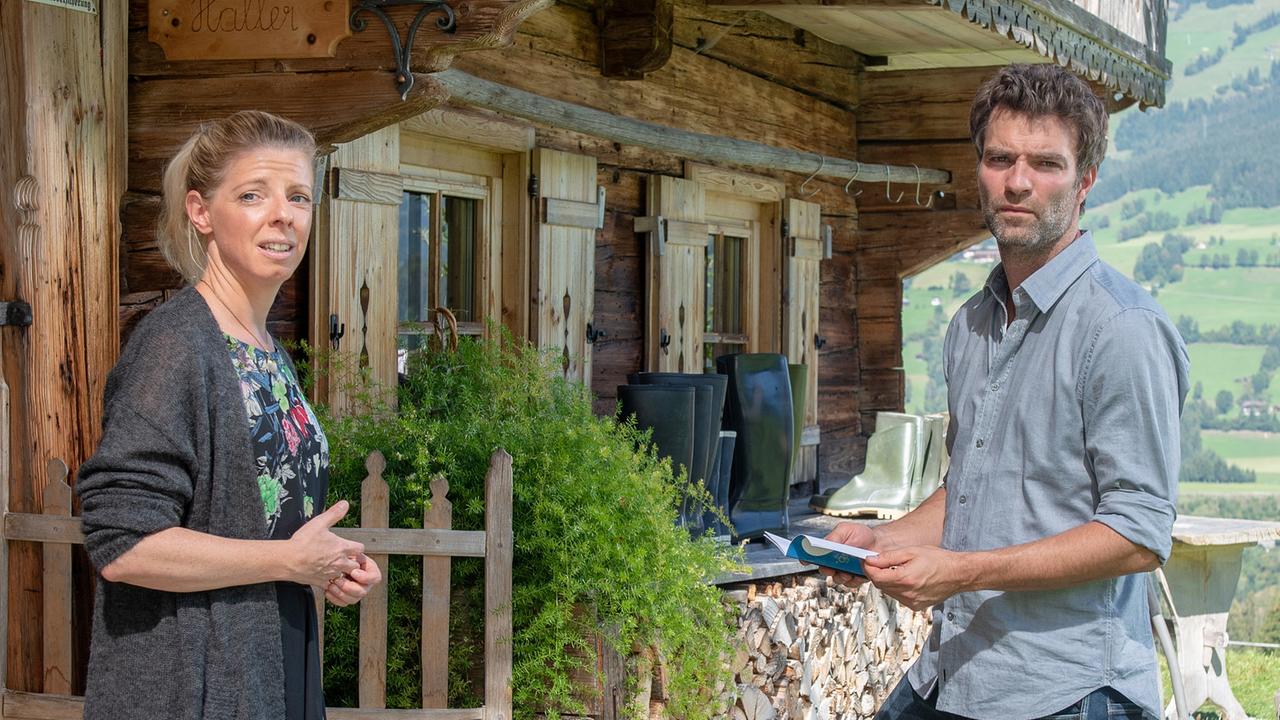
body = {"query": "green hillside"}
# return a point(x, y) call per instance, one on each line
point(1200, 31)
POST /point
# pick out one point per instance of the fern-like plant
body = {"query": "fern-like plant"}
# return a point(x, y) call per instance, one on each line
point(596, 545)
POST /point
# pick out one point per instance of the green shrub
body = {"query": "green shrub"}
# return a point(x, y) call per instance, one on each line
point(596, 545)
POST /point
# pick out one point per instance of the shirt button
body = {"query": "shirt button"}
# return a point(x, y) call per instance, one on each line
point(951, 617)
point(963, 499)
point(995, 387)
point(979, 443)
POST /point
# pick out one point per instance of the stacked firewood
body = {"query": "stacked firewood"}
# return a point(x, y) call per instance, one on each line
point(813, 650)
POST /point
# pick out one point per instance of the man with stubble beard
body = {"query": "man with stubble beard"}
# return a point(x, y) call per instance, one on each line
point(1065, 382)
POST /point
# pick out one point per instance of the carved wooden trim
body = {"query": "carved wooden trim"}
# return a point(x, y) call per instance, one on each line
point(502, 34)
point(1083, 52)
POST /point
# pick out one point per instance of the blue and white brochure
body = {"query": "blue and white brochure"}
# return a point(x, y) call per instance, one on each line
point(837, 556)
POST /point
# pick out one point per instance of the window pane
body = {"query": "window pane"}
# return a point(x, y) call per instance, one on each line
point(411, 269)
point(723, 294)
point(458, 229)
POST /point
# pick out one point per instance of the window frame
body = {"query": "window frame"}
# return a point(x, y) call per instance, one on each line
point(747, 234)
point(427, 181)
point(742, 202)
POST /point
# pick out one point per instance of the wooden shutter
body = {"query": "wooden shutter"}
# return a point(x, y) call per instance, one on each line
point(803, 278)
point(563, 258)
point(675, 287)
point(360, 235)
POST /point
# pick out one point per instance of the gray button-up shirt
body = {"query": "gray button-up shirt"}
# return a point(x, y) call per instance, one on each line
point(1068, 415)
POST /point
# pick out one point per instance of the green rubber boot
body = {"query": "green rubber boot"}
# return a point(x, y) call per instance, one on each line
point(934, 466)
point(889, 419)
point(883, 488)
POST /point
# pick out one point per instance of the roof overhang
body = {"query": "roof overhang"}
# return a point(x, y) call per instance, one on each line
point(1116, 43)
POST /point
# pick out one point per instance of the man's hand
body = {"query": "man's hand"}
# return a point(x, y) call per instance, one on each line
point(351, 587)
point(850, 533)
point(919, 576)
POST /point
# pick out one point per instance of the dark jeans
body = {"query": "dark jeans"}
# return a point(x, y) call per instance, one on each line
point(904, 703)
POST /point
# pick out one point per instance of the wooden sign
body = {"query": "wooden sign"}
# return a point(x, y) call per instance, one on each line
point(84, 6)
point(248, 29)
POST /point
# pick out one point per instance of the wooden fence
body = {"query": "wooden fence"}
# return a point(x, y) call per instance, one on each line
point(57, 530)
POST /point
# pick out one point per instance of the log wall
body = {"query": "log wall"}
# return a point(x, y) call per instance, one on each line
point(744, 76)
point(921, 117)
point(741, 76)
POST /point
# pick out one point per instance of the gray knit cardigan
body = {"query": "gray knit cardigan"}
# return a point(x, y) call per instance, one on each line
point(176, 451)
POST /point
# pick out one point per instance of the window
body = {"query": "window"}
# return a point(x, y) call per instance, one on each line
point(724, 332)
point(442, 231)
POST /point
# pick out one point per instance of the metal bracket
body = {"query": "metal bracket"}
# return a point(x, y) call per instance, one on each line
point(533, 185)
point(336, 331)
point(594, 334)
point(448, 23)
point(826, 242)
point(657, 225)
point(15, 312)
point(600, 203)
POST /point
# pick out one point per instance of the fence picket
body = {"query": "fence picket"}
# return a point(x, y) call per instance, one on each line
point(435, 603)
point(56, 530)
point(57, 587)
point(497, 588)
point(374, 513)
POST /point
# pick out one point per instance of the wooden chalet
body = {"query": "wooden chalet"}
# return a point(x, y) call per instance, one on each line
point(564, 169)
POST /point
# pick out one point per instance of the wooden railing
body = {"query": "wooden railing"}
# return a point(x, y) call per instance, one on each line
point(57, 530)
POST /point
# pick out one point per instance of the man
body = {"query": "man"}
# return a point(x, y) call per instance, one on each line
point(1065, 385)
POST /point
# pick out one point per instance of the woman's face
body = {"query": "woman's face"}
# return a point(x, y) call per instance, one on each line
point(258, 219)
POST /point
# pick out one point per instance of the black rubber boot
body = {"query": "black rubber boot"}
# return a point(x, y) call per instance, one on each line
point(669, 412)
point(758, 407)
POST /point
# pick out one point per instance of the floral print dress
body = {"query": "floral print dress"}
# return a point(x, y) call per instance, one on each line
point(292, 460)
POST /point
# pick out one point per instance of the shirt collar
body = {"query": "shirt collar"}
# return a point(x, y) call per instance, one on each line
point(1047, 285)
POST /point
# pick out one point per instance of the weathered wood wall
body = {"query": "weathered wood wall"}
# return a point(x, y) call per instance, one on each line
point(338, 99)
point(745, 76)
point(741, 76)
point(921, 117)
point(62, 116)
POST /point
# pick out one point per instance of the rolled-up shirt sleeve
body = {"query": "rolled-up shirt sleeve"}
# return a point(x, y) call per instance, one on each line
point(137, 483)
point(1133, 389)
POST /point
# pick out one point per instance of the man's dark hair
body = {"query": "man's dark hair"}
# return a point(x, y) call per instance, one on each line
point(1042, 90)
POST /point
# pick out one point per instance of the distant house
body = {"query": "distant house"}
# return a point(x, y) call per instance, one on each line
point(986, 256)
point(1257, 408)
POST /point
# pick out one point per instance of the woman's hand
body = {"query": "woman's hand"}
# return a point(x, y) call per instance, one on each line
point(353, 586)
point(317, 555)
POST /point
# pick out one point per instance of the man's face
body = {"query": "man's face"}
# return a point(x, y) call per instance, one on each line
point(1030, 187)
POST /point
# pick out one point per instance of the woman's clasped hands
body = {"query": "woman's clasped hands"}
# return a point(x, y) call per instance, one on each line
point(323, 560)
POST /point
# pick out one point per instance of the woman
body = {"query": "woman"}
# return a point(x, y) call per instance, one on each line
point(203, 504)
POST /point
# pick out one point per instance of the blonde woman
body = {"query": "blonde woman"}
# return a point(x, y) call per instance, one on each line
point(204, 504)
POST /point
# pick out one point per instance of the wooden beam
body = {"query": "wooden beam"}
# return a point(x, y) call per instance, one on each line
point(336, 106)
point(474, 127)
point(918, 104)
point(635, 37)
point(562, 44)
point(701, 146)
point(767, 47)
